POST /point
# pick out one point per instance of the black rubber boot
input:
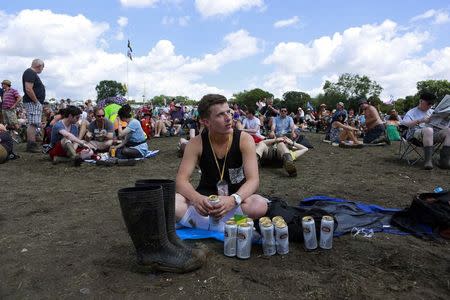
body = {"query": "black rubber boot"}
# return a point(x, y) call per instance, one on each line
point(444, 158)
point(143, 213)
point(428, 153)
point(168, 187)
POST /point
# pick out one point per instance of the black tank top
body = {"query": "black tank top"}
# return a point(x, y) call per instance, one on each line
point(234, 171)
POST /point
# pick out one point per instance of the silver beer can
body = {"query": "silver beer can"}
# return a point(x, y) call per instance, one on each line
point(282, 237)
point(214, 223)
point(268, 239)
point(229, 241)
point(326, 232)
point(244, 241)
point(309, 233)
point(276, 219)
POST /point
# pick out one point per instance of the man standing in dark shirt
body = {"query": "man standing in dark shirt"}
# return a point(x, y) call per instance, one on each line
point(34, 96)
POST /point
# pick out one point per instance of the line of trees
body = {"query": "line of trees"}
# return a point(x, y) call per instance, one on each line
point(349, 88)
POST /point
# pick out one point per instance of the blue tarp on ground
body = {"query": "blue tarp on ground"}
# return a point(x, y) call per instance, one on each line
point(349, 214)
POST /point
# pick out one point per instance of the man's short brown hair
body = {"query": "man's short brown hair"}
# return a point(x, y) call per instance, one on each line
point(207, 101)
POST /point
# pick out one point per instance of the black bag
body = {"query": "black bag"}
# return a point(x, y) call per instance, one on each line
point(293, 217)
point(302, 140)
point(429, 209)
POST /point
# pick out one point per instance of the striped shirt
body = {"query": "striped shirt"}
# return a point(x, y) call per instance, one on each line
point(9, 98)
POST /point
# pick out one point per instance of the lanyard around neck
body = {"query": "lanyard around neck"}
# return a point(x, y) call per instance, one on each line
point(221, 172)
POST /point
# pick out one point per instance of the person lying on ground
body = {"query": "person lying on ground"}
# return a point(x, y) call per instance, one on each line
point(342, 134)
point(100, 132)
point(375, 131)
point(280, 149)
point(417, 120)
point(65, 145)
point(134, 141)
point(227, 160)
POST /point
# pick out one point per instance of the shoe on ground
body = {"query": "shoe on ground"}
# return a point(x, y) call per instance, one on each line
point(326, 141)
point(334, 144)
point(288, 165)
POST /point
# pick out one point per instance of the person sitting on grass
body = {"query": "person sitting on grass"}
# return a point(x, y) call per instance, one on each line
point(280, 149)
point(100, 132)
point(65, 145)
point(6, 145)
point(375, 130)
point(343, 135)
point(134, 141)
point(283, 125)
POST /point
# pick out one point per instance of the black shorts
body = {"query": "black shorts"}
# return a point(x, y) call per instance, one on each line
point(374, 133)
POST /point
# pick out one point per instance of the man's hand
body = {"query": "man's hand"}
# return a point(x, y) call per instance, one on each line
point(203, 206)
point(425, 120)
point(226, 204)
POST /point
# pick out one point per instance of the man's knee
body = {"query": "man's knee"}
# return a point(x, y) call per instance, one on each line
point(181, 206)
point(255, 206)
point(427, 131)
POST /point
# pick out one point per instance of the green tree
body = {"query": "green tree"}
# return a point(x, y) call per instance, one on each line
point(110, 88)
point(249, 98)
point(354, 86)
point(293, 100)
point(440, 88)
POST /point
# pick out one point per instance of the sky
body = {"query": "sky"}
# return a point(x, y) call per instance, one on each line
point(196, 47)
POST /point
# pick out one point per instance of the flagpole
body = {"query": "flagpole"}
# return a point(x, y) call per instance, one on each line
point(127, 81)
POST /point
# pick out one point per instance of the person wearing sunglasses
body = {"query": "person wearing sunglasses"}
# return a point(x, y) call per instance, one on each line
point(100, 131)
point(283, 125)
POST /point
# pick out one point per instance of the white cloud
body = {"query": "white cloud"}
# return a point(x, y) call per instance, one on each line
point(184, 21)
point(285, 23)
point(138, 3)
point(122, 21)
point(209, 8)
point(440, 16)
point(120, 36)
point(386, 54)
point(74, 63)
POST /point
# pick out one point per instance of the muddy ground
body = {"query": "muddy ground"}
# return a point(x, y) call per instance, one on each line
point(62, 234)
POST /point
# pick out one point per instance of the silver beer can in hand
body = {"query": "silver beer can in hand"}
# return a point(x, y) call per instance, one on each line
point(309, 233)
point(214, 223)
point(326, 232)
point(244, 241)
point(268, 239)
point(229, 241)
point(282, 237)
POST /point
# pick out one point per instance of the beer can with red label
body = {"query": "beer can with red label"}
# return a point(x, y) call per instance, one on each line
point(282, 237)
point(244, 241)
point(326, 232)
point(309, 233)
point(229, 241)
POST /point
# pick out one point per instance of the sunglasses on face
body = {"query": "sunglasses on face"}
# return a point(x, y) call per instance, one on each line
point(100, 116)
point(283, 110)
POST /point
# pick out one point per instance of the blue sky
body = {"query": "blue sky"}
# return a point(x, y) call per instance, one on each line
point(196, 47)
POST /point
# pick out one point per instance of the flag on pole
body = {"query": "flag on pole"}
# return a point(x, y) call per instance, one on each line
point(309, 106)
point(129, 46)
point(129, 55)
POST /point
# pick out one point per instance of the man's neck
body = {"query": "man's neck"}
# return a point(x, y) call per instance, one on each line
point(219, 139)
point(66, 122)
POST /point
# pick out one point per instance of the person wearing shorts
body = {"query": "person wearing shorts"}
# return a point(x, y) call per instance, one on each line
point(34, 96)
point(11, 99)
point(417, 120)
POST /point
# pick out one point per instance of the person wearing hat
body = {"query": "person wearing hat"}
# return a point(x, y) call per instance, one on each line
point(417, 120)
point(11, 98)
point(375, 131)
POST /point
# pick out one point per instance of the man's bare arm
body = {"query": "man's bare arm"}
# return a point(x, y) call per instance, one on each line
point(30, 92)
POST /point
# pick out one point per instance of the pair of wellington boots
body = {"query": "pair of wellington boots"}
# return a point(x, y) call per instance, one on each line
point(444, 157)
point(149, 214)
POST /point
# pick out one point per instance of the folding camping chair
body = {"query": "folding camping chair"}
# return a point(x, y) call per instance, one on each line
point(411, 150)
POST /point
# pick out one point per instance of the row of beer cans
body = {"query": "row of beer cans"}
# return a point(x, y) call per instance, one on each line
point(274, 236)
point(238, 237)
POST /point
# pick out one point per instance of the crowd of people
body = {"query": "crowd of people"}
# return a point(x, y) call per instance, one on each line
point(74, 133)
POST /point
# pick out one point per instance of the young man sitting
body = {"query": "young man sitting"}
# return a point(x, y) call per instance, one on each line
point(100, 131)
point(227, 160)
point(64, 141)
